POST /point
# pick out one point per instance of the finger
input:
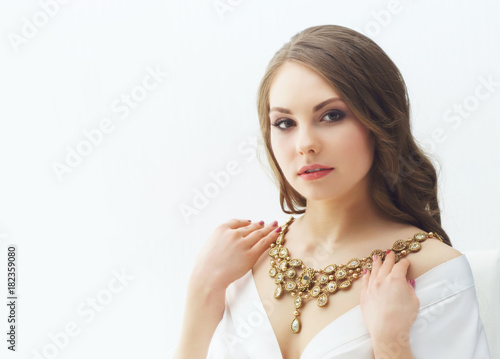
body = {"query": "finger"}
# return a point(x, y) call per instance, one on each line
point(377, 262)
point(364, 281)
point(386, 267)
point(265, 242)
point(401, 268)
point(246, 230)
point(257, 234)
point(411, 283)
point(237, 223)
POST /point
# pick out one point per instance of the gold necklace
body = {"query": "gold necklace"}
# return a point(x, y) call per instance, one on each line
point(333, 277)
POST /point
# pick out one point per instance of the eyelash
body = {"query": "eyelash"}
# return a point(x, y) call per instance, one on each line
point(278, 122)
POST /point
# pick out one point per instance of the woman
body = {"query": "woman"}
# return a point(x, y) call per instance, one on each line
point(334, 117)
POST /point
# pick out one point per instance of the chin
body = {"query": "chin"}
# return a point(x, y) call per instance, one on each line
point(318, 195)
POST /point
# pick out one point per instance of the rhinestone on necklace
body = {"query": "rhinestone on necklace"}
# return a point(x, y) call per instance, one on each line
point(319, 284)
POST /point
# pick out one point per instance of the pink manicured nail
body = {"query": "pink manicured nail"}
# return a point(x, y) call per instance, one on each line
point(364, 271)
point(275, 223)
point(375, 257)
point(388, 251)
point(412, 282)
point(261, 223)
point(277, 230)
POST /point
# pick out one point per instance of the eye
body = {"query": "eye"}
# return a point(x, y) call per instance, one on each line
point(278, 123)
point(335, 115)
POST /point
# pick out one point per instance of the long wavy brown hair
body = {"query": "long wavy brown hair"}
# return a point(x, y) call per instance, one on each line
point(403, 179)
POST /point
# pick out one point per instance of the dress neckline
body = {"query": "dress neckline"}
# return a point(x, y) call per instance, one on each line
point(342, 318)
point(351, 321)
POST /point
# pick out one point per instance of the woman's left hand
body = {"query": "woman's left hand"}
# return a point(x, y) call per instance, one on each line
point(388, 301)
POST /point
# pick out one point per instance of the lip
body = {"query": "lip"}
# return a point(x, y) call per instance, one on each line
point(315, 175)
point(314, 166)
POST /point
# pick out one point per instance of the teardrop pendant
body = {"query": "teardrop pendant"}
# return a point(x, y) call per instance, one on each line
point(295, 326)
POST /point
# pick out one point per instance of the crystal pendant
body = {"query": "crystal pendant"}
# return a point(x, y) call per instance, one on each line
point(298, 302)
point(353, 263)
point(295, 262)
point(420, 237)
point(341, 274)
point(345, 284)
point(295, 326)
point(283, 265)
point(315, 291)
point(273, 251)
point(399, 245)
point(415, 246)
point(332, 287)
point(330, 268)
point(278, 291)
point(279, 240)
point(322, 300)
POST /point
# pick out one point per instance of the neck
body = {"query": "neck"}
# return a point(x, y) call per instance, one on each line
point(341, 222)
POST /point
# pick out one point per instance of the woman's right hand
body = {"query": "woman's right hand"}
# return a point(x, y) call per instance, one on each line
point(231, 251)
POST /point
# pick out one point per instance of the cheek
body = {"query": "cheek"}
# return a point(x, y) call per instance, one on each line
point(279, 146)
point(357, 151)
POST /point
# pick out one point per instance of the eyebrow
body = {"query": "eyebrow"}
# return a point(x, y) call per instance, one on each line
point(315, 108)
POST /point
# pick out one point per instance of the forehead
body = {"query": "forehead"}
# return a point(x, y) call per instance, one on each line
point(298, 83)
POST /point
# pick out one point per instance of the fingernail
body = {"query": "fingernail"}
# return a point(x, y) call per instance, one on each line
point(364, 271)
point(388, 251)
point(261, 223)
point(277, 230)
point(412, 282)
point(249, 220)
point(375, 257)
point(275, 223)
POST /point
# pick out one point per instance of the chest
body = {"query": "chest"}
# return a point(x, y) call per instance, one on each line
point(312, 317)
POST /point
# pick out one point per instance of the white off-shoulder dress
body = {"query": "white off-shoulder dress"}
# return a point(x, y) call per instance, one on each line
point(448, 324)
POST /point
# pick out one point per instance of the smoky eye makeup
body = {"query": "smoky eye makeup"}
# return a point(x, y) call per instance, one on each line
point(329, 117)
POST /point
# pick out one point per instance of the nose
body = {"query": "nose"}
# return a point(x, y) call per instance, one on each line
point(307, 141)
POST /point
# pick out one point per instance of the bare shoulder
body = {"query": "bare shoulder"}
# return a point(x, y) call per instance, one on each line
point(433, 253)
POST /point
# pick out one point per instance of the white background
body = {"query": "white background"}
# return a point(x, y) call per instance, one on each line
point(120, 208)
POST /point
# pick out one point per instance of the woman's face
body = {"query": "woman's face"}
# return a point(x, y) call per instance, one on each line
point(310, 124)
